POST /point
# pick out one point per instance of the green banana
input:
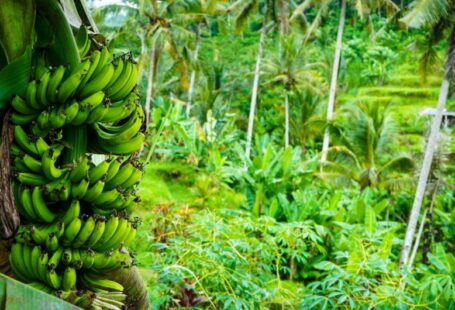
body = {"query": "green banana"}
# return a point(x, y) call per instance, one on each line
point(54, 83)
point(21, 106)
point(94, 282)
point(68, 87)
point(122, 80)
point(69, 279)
point(98, 82)
point(109, 231)
point(72, 213)
point(84, 233)
point(41, 93)
point(71, 232)
point(97, 172)
point(48, 162)
point(30, 95)
point(98, 231)
point(27, 203)
point(79, 190)
point(114, 168)
point(125, 172)
point(54, 280)
point(117, 237)
point(17, 262)
point(23, 140)
point(94, 191)
point(33, 164)
point(39, 206)
point(80, 171)
point(94, 60)
point(52, 243)
point(22, 119)
point(129, 85)
point(71, 111)
point(119, 65)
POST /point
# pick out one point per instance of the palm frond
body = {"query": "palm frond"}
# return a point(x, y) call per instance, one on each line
point(426, 12)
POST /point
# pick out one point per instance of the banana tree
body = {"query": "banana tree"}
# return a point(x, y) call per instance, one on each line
point(55, 96)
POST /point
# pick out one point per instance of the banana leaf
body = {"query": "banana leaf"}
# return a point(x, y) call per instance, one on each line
point(14, 78)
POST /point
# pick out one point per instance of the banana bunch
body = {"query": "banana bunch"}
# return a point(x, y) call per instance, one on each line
point(75, 214)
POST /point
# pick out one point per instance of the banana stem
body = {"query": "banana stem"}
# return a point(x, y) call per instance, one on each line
point(76, 138)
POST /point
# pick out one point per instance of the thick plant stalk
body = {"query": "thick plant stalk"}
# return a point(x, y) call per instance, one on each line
point(193, 73)
point(429, 153)
point(148, 99)
point(286, 120)
point(333, 82)
point(254, 94)
point(9, 217)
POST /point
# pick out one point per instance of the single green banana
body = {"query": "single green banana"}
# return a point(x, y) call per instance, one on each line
point(94, 191)
point(71, 232)
point(41, 93)
point(80, 171)
point(84, 233)
point(109, 231)
point(97, 172)
point(39, 206)
point(98, 82)
point(98, 232)
point(79, 190)
point(72, 213)
point(54, 83)
point(69, 279)
point(21, 106)
point(33, 164)
point(23, 140)
point(125, 171)
point(30, 95)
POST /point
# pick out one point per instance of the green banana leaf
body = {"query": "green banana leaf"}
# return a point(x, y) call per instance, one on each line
point(14, 78)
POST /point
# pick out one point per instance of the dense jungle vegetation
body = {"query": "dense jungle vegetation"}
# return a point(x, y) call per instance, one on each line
point(296, 157)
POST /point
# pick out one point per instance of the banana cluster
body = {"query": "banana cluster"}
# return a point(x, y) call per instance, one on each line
point(99, 92)
point(75, 213)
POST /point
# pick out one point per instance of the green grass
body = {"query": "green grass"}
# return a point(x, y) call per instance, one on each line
point(422, 92)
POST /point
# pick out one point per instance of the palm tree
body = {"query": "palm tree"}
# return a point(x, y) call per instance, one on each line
point(365, 135)
point(438, 15)
point(291, 70)
point(245, 8)
point(363, 7)
point(306, 121)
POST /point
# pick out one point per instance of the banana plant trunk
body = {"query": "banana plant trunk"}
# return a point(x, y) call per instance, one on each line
point(429, 153)
point(333, 82)
point(151, 76)
point(286, 120)
point(254, 93)
point(193, 73)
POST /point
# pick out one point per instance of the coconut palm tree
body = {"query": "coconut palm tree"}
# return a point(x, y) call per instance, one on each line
point(363, 7)
point(364, 136)
point(439, 16)
point(291, 70)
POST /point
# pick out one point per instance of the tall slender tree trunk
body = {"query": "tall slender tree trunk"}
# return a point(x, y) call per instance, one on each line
point(193, 73)
point(254, 93)
point(429, 152)
point(333, 82)
point(148, 99)
point(284, 17)
point(286, 120)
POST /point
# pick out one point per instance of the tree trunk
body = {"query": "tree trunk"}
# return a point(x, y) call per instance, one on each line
point(148, 100)
point(9, 217)
point(286, 120)
point(429, 152)
point(193, 73)
point(333, 82)
point(254, 93)
point(284, 17)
